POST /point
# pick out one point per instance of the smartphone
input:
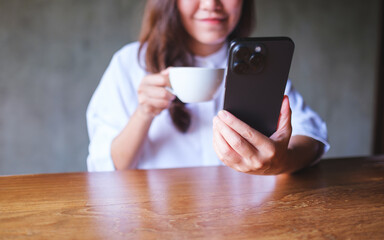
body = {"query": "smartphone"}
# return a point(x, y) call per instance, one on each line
point(256, 77)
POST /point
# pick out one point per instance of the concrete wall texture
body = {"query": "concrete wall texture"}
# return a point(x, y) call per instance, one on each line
point(53, 53)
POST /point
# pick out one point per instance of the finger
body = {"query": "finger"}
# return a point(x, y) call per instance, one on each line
point(227, 155)
point(160, 80)
point(285, 114)
point(239, 144)
point(251, 135)
point(165, 71)
point(159, 103)
point(284, 126)
point(224, 151)
point(156, 103)
point(165, 74)
point(217, 142)
point(156, 92)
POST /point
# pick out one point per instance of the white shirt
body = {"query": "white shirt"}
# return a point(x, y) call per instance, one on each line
point(116, 99)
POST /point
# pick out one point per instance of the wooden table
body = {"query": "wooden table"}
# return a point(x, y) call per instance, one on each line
point(336, 199)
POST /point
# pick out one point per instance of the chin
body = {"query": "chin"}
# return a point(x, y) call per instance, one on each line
point(213, 39)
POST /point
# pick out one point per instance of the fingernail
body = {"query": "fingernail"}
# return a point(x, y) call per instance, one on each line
point(286, 97)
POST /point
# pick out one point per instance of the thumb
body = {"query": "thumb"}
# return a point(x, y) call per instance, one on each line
point(284, 127)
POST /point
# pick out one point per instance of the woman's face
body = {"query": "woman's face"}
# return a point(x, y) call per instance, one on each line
point(209, 22)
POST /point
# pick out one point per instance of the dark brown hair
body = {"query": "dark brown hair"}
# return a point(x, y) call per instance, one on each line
point(164, 36)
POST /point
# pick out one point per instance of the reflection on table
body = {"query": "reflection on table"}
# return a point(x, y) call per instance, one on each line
point(336, 199)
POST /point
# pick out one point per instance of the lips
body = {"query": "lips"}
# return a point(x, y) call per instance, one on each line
point(213, 20)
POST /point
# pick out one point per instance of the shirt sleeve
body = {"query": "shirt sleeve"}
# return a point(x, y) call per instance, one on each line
point(108, 112)
point(305, 121)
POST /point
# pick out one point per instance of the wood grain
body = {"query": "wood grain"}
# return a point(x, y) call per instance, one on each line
point(337, 199)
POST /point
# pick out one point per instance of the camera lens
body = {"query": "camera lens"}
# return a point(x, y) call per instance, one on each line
point(242, 53)
point(257, 61)
point(240, 67)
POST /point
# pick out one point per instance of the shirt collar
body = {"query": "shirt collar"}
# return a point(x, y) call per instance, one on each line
point(215, 60)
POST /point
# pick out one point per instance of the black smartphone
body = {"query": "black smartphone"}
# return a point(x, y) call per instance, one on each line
point(257, 74)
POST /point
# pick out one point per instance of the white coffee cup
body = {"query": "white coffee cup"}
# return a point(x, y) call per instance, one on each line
point(195, 84)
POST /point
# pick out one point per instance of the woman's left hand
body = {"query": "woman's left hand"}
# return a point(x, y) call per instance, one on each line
point(246, 150)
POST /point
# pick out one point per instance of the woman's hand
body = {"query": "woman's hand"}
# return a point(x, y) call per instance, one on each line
point(153, 97)
point(246, 150)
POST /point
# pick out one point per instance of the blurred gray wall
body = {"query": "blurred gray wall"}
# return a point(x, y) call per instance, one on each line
point(335, 62)
point(53, 53)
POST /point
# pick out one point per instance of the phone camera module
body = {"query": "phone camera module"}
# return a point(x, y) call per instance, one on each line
point(242, 53)
point(257, 62)
point(248, 59)
point(240, 67)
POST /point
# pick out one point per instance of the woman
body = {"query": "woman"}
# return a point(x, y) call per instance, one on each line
point(134, 122)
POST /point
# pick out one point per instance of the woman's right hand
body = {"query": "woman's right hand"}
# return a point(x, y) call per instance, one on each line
point(153, 97)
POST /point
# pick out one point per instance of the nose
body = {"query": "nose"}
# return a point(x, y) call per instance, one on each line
point(210, 5)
